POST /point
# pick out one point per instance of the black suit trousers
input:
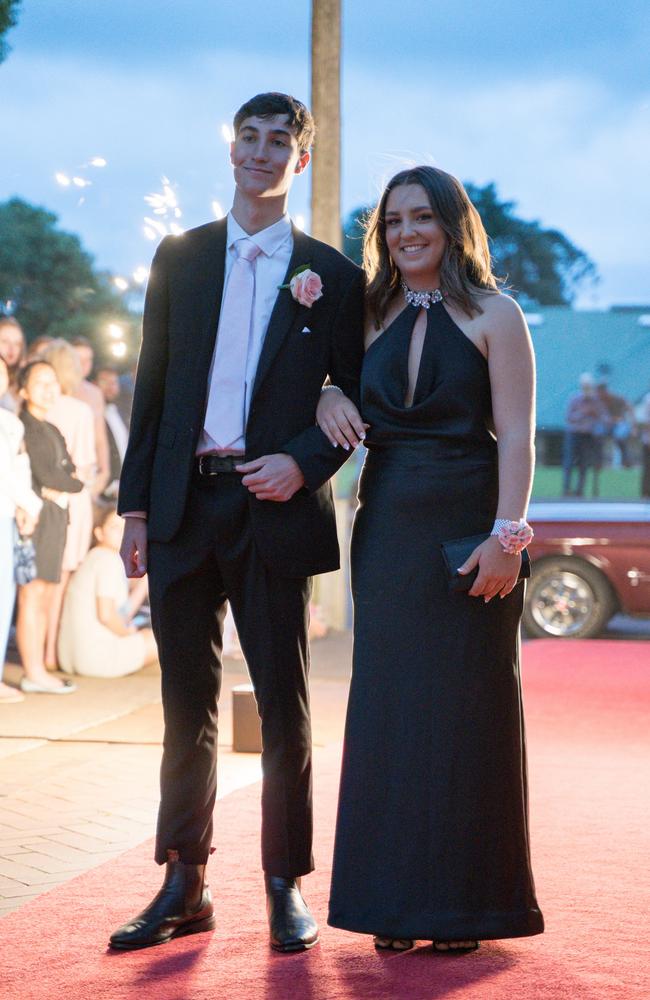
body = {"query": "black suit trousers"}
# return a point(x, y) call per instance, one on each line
point(213, 558)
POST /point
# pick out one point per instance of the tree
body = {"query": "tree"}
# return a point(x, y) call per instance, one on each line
point(538, 265)
point(541, 265)
point(49, 278)
point(353, 232)
point(8, 18)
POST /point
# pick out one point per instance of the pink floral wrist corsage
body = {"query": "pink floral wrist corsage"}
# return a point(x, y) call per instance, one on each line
point(513, 535)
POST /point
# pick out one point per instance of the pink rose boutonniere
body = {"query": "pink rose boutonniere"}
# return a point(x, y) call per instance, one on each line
point(305, 286)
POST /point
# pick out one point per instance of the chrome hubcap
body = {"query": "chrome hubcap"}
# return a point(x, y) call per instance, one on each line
point(562, 604)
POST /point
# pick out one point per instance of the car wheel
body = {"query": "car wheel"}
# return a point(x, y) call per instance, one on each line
point(567, 599)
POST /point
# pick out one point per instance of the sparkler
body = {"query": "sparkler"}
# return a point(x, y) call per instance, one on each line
point(79, 179)
point(227, 133)
point(158, 227)
point(163, 204)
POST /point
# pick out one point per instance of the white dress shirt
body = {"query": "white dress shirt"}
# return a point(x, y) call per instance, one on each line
point(270, 268)
point(119, 430)
point(15, 469)
point(276, 245)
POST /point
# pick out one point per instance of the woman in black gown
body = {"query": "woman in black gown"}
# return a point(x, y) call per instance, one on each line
point(432, 831)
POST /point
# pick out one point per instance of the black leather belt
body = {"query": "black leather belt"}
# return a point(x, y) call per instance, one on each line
point(213, 465)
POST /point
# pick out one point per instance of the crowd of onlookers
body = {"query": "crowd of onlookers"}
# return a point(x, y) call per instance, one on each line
point(62, 441)
point(603, 429)
point(63, 438)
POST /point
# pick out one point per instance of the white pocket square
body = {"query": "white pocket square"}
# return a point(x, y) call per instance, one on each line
point(305, 329)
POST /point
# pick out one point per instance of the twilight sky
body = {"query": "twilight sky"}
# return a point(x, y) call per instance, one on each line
point(550, 100)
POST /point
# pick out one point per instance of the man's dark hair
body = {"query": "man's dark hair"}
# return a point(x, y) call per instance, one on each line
point(299, 117)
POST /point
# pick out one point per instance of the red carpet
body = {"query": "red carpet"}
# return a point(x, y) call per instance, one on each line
point(589, 739)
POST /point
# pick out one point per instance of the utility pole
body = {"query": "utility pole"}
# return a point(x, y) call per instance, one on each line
point(326, 108)
point(331, 589)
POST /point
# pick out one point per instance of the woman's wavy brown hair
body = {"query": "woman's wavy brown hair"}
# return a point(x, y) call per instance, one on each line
point(466, 268)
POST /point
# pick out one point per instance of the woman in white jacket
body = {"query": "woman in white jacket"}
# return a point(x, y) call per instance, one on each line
point(19, 509)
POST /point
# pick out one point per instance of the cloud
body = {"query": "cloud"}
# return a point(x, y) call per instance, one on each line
point(569, 149)
point(570, 153)
point(145, 125)
point(464, 39)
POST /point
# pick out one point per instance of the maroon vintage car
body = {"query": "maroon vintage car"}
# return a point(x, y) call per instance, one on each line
point(590, 562)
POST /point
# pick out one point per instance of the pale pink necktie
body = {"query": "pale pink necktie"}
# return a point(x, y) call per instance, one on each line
point(225, 418)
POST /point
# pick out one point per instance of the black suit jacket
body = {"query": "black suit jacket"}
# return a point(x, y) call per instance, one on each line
point(114, 460)
point(302, 346)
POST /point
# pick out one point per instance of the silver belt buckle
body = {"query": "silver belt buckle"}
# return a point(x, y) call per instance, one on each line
point(201, 471)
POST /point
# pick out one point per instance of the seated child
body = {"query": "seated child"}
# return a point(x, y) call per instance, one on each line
point(96, 638)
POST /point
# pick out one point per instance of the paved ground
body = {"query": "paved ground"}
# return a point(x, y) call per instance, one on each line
point(79, 774)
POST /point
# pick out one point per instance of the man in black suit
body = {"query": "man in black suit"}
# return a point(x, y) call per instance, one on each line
point(226, 483)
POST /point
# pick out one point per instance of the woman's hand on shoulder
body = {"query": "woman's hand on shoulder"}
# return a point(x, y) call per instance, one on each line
point(339, 419)
point(498, 570)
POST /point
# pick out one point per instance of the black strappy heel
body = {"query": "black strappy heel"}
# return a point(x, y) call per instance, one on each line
point(392, 944)
point(449, 950)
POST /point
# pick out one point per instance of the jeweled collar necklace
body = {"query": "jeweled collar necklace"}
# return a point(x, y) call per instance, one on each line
point(423, 300)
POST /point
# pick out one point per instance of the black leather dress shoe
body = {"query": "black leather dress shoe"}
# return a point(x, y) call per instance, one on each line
point(183, 906)
point(291, 924)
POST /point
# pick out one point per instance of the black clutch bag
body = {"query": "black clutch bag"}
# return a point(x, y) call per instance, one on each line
point(457, 551)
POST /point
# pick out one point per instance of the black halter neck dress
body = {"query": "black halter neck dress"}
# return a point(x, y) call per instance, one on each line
point(432, 830)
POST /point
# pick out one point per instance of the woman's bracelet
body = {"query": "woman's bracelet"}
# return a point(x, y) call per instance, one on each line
point(513, 535)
